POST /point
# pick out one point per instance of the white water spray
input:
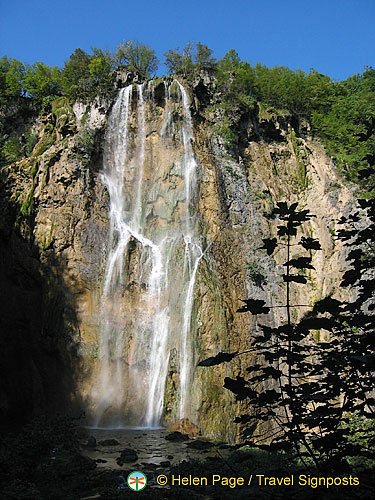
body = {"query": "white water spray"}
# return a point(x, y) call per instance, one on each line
point(153, 256)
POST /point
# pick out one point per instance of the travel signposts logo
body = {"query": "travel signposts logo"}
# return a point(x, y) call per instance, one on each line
point(137, 481)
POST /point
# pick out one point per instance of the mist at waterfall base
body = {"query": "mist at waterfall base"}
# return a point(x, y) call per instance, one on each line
point(153, 254)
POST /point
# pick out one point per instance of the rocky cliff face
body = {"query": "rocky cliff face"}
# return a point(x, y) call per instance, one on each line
point(55, 233)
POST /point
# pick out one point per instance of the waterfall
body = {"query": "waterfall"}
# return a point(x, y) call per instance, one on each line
point(154, 250)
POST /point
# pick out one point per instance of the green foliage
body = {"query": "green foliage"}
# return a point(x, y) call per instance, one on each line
point(180, 63)
point(236, 78)
point(204, 59)
point(4, 67)
point(360, 432)
point(75, 77)
point(137, 57)
point(281, 87)
point(223, 128)
point(192, 58)
point(342, 114)
point(27, 207)
point(41, 80)
point(101, 74)
point(15, 78)
point(45, 143)
point(12, 73)
point(31, 140)
point(235, 85)
point(11, 150)
point(84, 76)
point(347, 129)
point(255, 272)
point(87, 146)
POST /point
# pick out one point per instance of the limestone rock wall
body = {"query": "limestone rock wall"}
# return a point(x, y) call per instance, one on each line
point(55, 229)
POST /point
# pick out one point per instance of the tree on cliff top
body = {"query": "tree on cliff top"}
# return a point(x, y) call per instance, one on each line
point(191, 58)
point(138, 57)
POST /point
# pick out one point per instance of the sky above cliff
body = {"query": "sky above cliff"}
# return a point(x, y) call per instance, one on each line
point(335, 37)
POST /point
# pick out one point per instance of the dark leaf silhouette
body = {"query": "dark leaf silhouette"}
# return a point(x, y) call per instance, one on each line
point(310, 385)
point(249, 431)
point(282, 209)
point(239, 387)
point(355, 254)
point(294, 278)
point(222, 357)
point(254, 306)
point(346, 234)
point(349, 278)
point(300, 263)
point(243, 419)
point(282, 230)
point(301, 216)
point(310, 243)
point(269, 244)
point(316, 324)
point(327, 304)
point(365, 203)
point(293, 207)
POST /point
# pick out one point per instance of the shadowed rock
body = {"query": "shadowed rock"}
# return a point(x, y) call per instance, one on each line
point(109, 442)
point(198, 444)
point(176, 436)
point(127, 455)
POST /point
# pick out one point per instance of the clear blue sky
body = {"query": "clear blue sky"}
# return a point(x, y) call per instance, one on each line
point(336, 37)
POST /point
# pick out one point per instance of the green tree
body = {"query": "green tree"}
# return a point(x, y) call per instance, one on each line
point(100, 68)
point(76, 77)
point(320, 92)
point(4, 67)
point(137, 57)
point(236, 80)
point(281, 87)
point(204, 59)
point(347, 128)
point(15, 78)
point(42, 80)
point(174, 62)
point(181, 62)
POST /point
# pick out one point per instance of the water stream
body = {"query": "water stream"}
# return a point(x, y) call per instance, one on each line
point(154, 250)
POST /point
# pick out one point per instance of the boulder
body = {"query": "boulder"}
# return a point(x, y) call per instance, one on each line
point(127, 455)
point(185, 426)
point(109, 442)
point(91, 442)
point(198, 444)
point(176, 436)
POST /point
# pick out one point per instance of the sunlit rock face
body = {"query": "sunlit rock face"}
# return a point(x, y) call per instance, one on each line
point(144, 236)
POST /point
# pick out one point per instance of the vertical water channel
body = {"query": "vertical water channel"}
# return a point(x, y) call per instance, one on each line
point(154, 250)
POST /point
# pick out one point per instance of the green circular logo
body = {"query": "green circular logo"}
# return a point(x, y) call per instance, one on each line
point(137, 481)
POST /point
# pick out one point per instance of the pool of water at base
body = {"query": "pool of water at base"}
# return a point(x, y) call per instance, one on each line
point(150, 445)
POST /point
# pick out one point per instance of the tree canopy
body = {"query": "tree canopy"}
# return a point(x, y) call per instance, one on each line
point(138, 57)
point(341, 114)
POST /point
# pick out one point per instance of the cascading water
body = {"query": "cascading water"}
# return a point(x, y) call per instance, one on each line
point(154, 252)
